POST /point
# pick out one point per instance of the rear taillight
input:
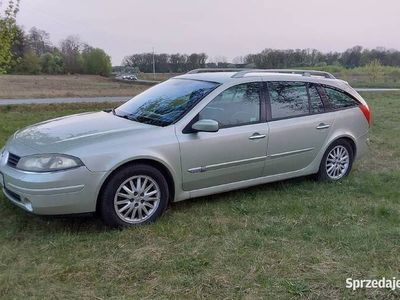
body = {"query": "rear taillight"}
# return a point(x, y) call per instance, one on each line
point(367, 112)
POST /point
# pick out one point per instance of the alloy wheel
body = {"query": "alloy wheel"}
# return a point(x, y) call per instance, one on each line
point(136, 199)
point(337, 162)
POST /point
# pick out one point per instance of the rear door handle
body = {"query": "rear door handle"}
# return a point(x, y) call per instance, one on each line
point(257, 136)
point(323, 126)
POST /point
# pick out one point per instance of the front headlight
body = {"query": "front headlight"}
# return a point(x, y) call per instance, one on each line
point(48, 162)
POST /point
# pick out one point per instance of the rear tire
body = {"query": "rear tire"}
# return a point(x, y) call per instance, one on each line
point(134, 195)
point(337, 161)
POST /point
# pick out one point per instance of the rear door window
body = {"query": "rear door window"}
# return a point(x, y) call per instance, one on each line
point(288, 99)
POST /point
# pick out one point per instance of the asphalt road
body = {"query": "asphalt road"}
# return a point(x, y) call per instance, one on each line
point(115, 99)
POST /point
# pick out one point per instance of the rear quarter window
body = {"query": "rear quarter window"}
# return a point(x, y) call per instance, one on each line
point(339, 99)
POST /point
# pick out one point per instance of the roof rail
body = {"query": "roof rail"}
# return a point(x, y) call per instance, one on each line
point(285, 71)
point(205, 70)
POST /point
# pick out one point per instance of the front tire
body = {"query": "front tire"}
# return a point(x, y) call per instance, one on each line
point(337, 161)
point(134, 195)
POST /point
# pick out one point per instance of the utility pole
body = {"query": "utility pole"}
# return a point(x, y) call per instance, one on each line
point(154, 67)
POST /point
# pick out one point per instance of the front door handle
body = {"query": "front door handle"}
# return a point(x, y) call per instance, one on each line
point(257, 136)
point(323, 126)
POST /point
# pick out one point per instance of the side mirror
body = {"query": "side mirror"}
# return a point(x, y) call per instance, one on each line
point(206, 125)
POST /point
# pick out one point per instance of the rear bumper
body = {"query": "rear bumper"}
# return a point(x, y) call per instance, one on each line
point(65, 192)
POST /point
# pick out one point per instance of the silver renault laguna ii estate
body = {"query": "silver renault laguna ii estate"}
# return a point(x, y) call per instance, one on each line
point(197, 134)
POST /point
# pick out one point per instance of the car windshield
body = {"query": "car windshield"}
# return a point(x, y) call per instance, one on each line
point(166, 102)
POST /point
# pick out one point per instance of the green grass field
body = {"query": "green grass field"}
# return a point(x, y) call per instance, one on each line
point(292, 239)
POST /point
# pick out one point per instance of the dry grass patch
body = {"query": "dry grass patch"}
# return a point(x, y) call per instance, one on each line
point(51, 86)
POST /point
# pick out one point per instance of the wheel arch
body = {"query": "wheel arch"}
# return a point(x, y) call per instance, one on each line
point(321, 172)
point(146, 161)
point(347, 138)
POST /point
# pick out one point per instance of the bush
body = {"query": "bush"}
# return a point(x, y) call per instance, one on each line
point(96, 62)
point(52, 63)
point(30, 64)
point(374, 70)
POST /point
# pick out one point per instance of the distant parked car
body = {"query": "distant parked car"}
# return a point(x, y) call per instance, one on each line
point(193, 135)
point(129, 77)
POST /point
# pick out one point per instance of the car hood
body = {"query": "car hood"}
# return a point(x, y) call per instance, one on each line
point(76, 130)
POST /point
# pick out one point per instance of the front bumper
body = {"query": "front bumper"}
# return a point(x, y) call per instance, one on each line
point(54, 193)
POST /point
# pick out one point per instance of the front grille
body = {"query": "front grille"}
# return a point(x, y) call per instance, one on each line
point(13, 160)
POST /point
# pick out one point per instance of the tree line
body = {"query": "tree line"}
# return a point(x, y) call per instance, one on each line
point(350, 58)
point(268, 58)
point(165, 63)
point(33, 53)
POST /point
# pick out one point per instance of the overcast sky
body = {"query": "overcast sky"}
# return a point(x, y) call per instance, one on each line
point(218, 27)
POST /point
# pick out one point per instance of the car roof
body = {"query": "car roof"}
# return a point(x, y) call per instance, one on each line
point(223, 77)
point(219, 77)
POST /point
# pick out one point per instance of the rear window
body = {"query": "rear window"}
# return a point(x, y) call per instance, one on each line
point(339, 99)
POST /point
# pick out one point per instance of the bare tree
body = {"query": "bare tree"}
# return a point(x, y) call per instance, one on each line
point(71, 52)
point(38, 41)
point(238, 60)
point(219, 59)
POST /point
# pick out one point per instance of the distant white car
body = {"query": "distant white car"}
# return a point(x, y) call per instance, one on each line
point(129, 77)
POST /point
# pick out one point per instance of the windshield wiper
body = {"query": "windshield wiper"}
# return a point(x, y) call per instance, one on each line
point(141, 119)
point(147, 120)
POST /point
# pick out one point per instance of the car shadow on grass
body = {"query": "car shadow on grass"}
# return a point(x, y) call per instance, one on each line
point(244, 192)
point(14, 219)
